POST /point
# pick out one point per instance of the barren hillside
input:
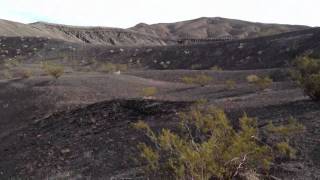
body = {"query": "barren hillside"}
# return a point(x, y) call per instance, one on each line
point(214, 28)
point(79, 125)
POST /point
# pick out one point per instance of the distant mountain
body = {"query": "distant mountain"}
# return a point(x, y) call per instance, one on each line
point(214, 28)
point(143, 34)
point(91, 35)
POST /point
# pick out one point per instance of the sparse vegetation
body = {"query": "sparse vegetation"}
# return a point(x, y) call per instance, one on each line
point(252, 78)
point(200, 79)
point(231, 84)
point(261, 82)
point(285, 131)
point(53, 70)
point(149, 91)
point(307, 73)
point(111, 68)
point(206, 146)
point(11, 63)
point(25, 73)
point(216, 68)
point(7, 74)
point(196, 66)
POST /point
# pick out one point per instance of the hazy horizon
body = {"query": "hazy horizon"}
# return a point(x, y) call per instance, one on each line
point(124, 14)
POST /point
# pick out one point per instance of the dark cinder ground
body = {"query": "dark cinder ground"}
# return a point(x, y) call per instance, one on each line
point(79, 126)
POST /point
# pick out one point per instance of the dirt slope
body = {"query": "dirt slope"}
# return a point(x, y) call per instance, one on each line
point(142, 34)
point(90, 35)
point(213, 28)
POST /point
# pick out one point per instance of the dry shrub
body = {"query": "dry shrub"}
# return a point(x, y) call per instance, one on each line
point(263, 83)
point(149, 91)
point(53, 70)
point(252, 78)
point(7, 74)
point(206, 146)
point(307, 73)
point(11, 63)
point(216, 68)
point(260, 82)
point(231, 84)
point(200, 79)
point(25, 73)
point(111, 68)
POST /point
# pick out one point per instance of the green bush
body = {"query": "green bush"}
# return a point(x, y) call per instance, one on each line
point(7, 74)
point(25, 73)
point(216, 68)
point(111, 68)
point(149, 91)
point(200, 79)
point(230, 84)
point(207, 147)
point(11, 63)
point(263, 83)
point(252, 78)
point(53, 70)
point(260, 82)
point(306, 72)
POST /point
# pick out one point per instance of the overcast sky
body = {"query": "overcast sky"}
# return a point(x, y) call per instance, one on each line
point(127, 13)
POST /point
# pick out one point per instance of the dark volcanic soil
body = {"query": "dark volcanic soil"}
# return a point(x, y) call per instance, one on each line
point(78, 126)
point(96, 141)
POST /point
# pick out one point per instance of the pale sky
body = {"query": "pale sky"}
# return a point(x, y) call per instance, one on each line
point(127, 13)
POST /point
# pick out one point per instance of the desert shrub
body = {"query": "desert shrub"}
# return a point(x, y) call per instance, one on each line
point(263, 83)
point(206, 146)
point(25, 73)
point(201, 102)
point(7, 74)
point(196, 66)
point(11, 63)
point(111, 68)
point(230, 84)
point(53, 70)
point(149, 91)
point(306, 72)
point(252, 78)
point(216, 68)
point(122, 67)
point(284, 149)
point(200, 79)
point(286, 131)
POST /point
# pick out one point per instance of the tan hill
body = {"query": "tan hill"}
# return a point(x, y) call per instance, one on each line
point(143, 34)
point(214, 28)
point(92, 35)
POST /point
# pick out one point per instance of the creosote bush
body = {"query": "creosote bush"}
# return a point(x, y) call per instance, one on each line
point(206, 146)
point(11, 63)
point(263, 83)
point(53, 70)
point(283, 148)
point(306, 72)
point(216, 68)
point(149, 91)
point(230, 84)
point(200, 79)
point(25, 73)
point(260, 82)
point(111, 68)
point(252, 78)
